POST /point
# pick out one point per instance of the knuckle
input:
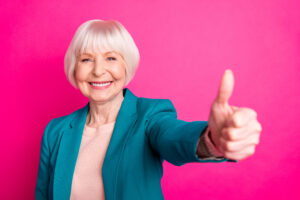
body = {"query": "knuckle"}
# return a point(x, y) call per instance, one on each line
point(256, 142)
point(254, 113)
point(259, 127)
point(228, 133)
point(250, 111)
point(251, 151)
point(235, 119)
point(258, 139)
point(229, 146)
point(232, 135)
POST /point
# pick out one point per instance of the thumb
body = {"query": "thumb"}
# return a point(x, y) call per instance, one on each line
point(226, 87)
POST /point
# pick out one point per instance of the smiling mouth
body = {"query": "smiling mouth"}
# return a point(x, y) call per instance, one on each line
point(100, 84)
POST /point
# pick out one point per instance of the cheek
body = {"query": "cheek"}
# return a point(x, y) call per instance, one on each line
point(119, 72)
point(80, 73)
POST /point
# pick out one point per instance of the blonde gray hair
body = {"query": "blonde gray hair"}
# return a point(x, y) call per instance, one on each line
point(101, 35)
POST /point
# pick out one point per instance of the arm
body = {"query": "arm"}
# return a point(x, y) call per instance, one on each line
point(173, 139)
point(41, 189)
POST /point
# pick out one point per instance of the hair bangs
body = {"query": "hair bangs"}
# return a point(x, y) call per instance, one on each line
point(99, 39)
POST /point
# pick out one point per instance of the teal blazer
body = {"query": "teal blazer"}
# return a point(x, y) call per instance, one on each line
point(146, 133)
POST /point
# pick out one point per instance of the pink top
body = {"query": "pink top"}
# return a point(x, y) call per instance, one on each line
point(87, 178)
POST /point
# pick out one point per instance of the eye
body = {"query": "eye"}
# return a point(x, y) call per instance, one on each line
point(111, 58)
point(85, 60)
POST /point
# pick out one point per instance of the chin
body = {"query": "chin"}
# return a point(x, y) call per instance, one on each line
point(102, 98)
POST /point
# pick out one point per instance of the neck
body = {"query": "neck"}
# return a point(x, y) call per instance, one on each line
point(103, 113)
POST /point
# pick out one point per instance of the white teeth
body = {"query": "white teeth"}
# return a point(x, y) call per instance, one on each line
point(100, 84)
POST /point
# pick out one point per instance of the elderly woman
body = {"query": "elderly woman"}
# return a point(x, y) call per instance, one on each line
point(114, 147)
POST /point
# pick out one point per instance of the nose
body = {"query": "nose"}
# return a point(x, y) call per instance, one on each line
point(99, 68)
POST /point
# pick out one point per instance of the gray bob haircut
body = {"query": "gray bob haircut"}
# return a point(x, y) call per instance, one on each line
point(101, 35)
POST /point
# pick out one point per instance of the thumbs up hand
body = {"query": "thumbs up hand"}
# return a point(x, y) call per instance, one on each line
point(234, 131)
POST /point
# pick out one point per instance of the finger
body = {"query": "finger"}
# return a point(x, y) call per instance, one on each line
point(239, 146)
point(241, 117)
point(226, 87)
point(250, 150)
point(235, 134)
point(234, 108)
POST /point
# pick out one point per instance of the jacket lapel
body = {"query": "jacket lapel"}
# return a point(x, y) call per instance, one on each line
point(70, 145)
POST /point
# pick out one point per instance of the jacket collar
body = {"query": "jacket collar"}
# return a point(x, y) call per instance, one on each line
point(70, 145)
point(128, 107)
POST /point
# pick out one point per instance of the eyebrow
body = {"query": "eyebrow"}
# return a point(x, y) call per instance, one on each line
point(87, 54)
point(108, 52)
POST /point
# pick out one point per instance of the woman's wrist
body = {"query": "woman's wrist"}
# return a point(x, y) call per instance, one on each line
point(210, 144)
point(202, 149)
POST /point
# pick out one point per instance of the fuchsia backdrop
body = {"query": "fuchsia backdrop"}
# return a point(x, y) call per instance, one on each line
point(185, 47)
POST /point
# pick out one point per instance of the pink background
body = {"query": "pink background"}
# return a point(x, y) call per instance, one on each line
point(185, 47)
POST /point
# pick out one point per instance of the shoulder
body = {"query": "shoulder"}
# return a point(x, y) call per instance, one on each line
point(63, 120)
point(152, 106)
point(60, 123)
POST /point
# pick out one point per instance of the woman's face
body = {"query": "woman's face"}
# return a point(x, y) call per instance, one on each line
point(100, 76)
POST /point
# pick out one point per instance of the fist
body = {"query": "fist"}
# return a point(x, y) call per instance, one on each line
point(234, 131)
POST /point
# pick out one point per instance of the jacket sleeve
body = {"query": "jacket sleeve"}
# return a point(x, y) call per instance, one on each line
point(41, 189)
point(173, 139)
